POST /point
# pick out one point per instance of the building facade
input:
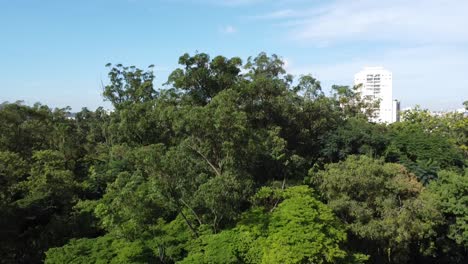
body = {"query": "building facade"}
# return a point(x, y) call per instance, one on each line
point(375, 84)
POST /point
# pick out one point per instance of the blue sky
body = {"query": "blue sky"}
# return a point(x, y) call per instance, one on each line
point(54, 52)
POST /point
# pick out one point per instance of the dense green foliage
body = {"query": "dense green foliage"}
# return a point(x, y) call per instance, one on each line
point(230, 163)
point(380, 202)
point(300, 230)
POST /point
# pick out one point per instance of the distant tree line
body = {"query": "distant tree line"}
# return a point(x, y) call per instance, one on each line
point(231, 162)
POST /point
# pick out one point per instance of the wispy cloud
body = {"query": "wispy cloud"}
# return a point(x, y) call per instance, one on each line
point(279, 14)
point(368, 20)
point(418, 73)
point(424, 43)
point(226, 3)
point(229, 29)
point(234, 2)
point(293, 16)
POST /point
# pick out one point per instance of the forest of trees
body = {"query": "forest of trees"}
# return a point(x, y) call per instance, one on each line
point(230, 162)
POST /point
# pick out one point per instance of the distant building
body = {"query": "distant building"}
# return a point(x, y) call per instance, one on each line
point(442, 113)
point(396, 111)
point(376, 85)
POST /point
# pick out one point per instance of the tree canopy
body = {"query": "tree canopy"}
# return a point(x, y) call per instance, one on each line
point(230, 162)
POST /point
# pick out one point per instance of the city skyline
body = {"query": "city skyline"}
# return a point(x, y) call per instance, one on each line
point(55, 51)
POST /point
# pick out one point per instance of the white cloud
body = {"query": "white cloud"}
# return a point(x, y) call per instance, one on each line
point(284, 13)
point(293, 16)
point(229, 29)
point(239, 2)
point(424, 43)
point(234, 2)
point(422, 21)
point(287, 64)
point(226, 3)
point(433, 77)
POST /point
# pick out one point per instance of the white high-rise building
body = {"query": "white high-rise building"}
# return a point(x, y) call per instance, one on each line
point(376, 84)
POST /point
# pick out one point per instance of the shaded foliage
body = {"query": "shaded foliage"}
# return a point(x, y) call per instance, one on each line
point(381, 205)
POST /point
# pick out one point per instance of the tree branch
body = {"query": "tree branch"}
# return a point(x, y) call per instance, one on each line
point(282, 189)
point(217, 172)
point(189, 224)
point(193, 211)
